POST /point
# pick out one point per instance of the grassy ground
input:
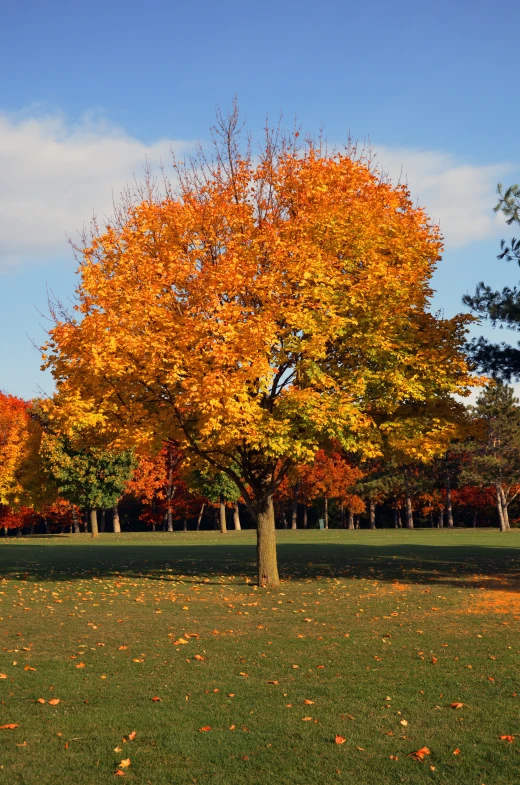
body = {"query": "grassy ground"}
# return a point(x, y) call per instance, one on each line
point(372, 637)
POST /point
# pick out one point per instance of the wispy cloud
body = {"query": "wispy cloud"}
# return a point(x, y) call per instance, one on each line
point(55, 175)
point(456, 195)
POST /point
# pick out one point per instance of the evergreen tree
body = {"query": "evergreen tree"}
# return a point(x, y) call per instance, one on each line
point(501, 308)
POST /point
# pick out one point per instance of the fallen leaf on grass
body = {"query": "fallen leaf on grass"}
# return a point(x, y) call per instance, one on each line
point(307, 719)
point(155, 698)
point(117, 749)
point(119, 773)
point(54, 701)
point(199, 657)
point(122, 648)
point(456, 751)
point(40, 700)
point(340, 739)
point(180, 642)
point(420, 754)
point(80, 665)
point(272, 681)
point(28, 668)
point(204, 728)
point(3, 675)
point(456, 705)
point(308, 702)
point(232, 727)
point(404, 723)
point(9, 726)
point(434, 660)
point(132, 735)
point(245, 675)
point(125, 763)
point(509, 739)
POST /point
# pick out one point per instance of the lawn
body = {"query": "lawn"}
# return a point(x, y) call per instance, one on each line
point(371, 638)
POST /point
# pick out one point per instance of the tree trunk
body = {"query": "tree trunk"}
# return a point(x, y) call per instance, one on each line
point(284, 518)
point(75, 522)
point(449, 509)
point(46, 525)
point(432, 526)
point(266, 545)
point(5, 531)
point(199, 519)
point(184, 524)
point(350, 520)
point(356, 522)
point(116, 522)
point(474, 519)
point(500, 509)
point(372, 514)
point(505, 513)
point(396, 522)
point(170, 491)
point(326, 511)
point(18, 532)
point(223, 524)
point(305, 520)
point(399, 521)
point(408, 504)
point(94, 523)
point(236, 517)
point(294, 518)
point(440, 519)
point(31, 530)
point(102, 520)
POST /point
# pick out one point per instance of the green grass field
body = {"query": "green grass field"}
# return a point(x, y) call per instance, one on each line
point(372, 637)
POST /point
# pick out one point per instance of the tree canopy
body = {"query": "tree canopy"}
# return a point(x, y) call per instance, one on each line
point(270, 304)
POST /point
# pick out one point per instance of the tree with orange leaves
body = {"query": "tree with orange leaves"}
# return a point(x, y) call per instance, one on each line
point(14, 434)
point(269, 304)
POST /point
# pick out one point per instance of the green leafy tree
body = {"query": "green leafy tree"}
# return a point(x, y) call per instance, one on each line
point(217, 488)
point(494, 455)
point(91, 477)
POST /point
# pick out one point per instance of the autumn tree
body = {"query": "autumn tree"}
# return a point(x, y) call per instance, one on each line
point(14, 434)
point(217, 488)
point(272, 301)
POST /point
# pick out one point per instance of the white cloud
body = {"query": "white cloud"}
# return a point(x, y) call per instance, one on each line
point(54, 176)
point(458, 196)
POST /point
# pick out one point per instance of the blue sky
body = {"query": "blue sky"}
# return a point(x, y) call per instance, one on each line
point(91, 90)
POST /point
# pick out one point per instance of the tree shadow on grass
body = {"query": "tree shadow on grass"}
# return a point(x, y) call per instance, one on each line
point(463, 566)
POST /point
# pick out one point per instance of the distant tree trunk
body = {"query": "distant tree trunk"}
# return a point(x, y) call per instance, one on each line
point(184, 524)
point(201, 513)
point(350, 519)
point(266, 544)
point(102, 520)
point(408, 503)
point(502, 508)
point(46, 525)
point(170, 492)
point(62, 529)
point(449, 508)
point(396, 521)
point(326, 511)
point(399, 521)
point(305, 520)
point(31, 529)
point(236, 517)
point(294, 518)
point(75, 522)
point(215, 519)
point(356, 521)
point(153, 526)
point(474, 518)
point(440, 518)
point(5, 531)
point(18, 532)
point(116, 525)
point(94, 523)
point(223, 524)
point(372, 514)
point(284, 519)
point(430, 515)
